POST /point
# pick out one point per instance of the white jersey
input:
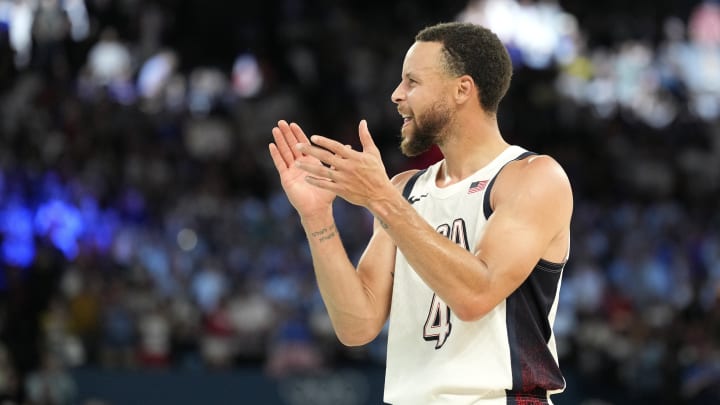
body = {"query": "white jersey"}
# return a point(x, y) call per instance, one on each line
point(506, 357)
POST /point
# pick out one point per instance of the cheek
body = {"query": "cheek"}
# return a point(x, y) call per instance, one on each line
point(419, 99)
point(414, 101)
point(413, 93)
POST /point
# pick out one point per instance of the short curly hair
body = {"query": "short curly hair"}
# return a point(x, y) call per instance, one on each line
point(476, 51)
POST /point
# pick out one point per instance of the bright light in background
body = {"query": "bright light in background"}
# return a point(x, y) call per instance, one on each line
point(62, 223)
point(187, 239)
point(247, 78)
point(18, 246)
point(155, 73)
point(704, 24)
point(78, 17)
point(19, 17)
point(206, 86)
point(630, 75)
point(18, 252)
point(541, 33)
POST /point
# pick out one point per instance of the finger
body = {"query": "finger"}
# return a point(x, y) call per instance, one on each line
point(283, 148)
point(291, 137)
point(319, 171)
point(333, 166)
point(323, 183)
point(277, 159)
point(325, 156)
point(333, 146)
point(366, 139)
point(299, 133)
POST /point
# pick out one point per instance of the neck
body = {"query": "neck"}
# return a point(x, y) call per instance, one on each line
point(468, 147)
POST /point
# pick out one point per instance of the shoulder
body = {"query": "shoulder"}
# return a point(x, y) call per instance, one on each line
point(536, 168)
point(401, 179)
point(535, 178)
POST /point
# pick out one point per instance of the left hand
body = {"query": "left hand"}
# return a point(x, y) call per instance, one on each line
point(357, 177)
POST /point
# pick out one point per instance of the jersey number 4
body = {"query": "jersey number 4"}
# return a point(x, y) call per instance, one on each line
point(438, 325)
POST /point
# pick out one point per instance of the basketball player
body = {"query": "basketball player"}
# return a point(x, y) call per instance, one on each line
point(466, 256)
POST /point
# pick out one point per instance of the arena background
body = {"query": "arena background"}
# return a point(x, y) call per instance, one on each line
point(148, 255)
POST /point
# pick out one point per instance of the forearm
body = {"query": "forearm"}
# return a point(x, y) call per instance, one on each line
point(453, 273)
point(349, 303)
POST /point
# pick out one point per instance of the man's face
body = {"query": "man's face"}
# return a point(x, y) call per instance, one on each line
point(422, 98)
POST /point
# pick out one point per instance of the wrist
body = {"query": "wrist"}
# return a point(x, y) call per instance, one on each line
point(317, 219)
point(319, 227)
point(384, 210)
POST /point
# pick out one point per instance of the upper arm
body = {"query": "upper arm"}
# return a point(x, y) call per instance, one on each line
point(532, 205)
point(377, 265)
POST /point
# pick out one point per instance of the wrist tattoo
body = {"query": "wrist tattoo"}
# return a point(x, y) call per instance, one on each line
point(324, 234)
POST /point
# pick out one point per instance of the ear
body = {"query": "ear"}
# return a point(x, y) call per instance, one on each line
point(465, 89)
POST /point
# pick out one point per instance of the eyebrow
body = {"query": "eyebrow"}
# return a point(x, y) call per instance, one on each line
point(410, 75)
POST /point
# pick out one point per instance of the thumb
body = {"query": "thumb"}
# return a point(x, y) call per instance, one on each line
point(366, 139)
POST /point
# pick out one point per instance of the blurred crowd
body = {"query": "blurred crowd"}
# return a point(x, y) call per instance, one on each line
point(142, 224)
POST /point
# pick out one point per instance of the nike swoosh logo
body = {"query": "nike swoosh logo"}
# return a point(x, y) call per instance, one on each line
point(413, 200)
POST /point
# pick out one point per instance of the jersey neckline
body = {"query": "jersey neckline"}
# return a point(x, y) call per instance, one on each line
point(484, 173)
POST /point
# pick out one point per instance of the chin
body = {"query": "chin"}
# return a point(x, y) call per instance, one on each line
point(406, 132)
point(405, 138)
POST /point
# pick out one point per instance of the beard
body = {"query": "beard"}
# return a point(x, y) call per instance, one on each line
point(429, 128)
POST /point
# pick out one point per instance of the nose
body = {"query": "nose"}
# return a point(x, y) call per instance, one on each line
point(398, 94)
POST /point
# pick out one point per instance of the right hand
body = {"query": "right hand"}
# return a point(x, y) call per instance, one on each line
point(306, 198)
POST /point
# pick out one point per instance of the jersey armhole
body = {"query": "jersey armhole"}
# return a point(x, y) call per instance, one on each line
point(487, 208)
point(411, 183)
